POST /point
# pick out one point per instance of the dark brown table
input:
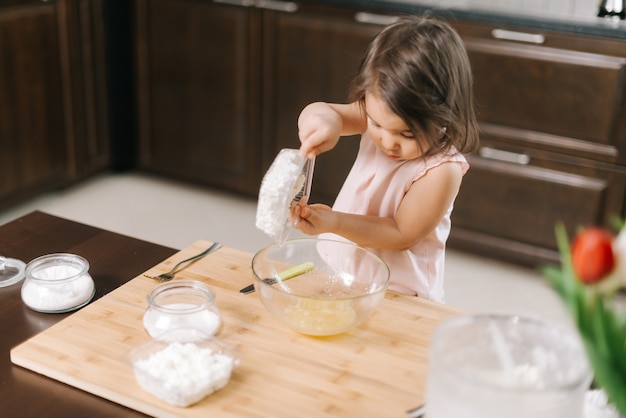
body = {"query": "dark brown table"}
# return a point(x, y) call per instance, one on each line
point(114, 259)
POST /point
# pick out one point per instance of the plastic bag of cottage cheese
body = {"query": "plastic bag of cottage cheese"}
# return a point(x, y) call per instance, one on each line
point(288, 179)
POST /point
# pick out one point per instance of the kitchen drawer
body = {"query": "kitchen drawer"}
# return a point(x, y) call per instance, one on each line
point(567, 101)
point(512, 198)
point(552, 90)
point(541, 37)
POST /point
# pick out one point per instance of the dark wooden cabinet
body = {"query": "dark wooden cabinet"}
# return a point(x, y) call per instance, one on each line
point(52, 96)
point(198, 80)
point(221, 85)
point(33, 130)
point(89, 87)
point(553, 117)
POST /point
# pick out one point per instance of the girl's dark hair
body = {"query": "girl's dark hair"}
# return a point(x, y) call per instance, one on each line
point(419, 67)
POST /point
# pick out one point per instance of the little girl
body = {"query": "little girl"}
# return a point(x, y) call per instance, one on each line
point(412, 103)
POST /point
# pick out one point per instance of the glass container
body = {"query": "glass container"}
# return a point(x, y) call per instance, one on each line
point(339, 290)
point(183, 366)
point(57, 283)
point(181, 304)
point(494, 366)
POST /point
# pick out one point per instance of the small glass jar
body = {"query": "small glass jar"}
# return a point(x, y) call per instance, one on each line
point(57, 283)
point(181, 304)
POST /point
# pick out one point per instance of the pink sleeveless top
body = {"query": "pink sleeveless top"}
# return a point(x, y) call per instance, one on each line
point(375, 186)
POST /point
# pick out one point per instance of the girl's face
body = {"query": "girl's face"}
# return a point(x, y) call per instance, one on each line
point(389, 132)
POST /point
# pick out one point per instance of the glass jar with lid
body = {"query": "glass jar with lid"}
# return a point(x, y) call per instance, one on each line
point(179, 304)
point(57, 283)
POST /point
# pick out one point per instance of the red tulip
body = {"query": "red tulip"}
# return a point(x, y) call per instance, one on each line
point(592, 255)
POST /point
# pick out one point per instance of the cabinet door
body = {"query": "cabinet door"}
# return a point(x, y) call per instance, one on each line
point(512, 198)
point(198, 76)
point(89, 84)
point(34, 137)
point(310, 55)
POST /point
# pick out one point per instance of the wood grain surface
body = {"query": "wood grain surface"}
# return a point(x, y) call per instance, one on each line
point(376, 370)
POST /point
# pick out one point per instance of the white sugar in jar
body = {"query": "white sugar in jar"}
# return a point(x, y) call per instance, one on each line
point(57, 283)
point(181, 304)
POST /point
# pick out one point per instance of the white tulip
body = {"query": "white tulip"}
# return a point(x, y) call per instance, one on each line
point(617, 278)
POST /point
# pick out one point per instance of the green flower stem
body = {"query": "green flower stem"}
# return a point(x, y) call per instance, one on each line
point(601, 327)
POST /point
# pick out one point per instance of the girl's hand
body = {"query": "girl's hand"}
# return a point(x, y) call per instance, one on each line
point(319, 129)
point(311, 219)
point(321, 124)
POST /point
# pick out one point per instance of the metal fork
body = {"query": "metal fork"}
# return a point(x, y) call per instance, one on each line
point(170, 274)
point(417, 412)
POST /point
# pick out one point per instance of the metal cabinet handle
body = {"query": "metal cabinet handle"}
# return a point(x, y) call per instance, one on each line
point(376, 19)
point(242, 3)
point(506, 156)
point(279, 6)
point(509, 35)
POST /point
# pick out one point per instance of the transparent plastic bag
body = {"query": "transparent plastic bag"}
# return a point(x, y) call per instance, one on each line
point(287, 181)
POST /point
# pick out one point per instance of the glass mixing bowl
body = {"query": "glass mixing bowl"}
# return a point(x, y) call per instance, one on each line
point(337, 288)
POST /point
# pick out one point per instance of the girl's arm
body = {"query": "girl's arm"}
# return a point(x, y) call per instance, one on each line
point(321, 124)
point(421, 209)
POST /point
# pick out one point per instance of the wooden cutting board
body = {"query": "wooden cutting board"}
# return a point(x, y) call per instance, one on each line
point(376, 370)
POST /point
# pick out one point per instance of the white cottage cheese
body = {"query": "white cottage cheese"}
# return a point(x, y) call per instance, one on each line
point(183, 373)
point(280, 185)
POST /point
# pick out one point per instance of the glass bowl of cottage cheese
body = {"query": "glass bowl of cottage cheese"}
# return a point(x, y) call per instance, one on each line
point(57, 283)
point(183, 366)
